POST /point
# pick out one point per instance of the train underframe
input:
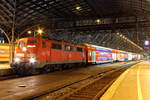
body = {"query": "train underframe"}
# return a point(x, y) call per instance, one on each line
point(25, 68)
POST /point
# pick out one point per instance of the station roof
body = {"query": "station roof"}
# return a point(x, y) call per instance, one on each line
point(28, 13)
point(31, 12)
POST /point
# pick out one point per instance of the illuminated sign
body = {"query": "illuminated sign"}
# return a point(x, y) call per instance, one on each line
point(147, 43)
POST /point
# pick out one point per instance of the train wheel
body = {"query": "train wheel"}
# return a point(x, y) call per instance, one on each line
point(33, 71)
point(70, 66)
point(48, 68)
point(61, 68)
point(51, 68)
point(84, 64)
point(21, 70)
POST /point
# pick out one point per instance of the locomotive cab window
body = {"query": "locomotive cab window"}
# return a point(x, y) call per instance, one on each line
point(32, 41)
point(21, 44)
point(67, 48)
point(56, 46)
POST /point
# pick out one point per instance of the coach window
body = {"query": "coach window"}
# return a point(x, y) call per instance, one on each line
point(74, 48)
point(71, 48)
point(44, 44)
point(79, 49)
point(67, 48)
point(56, 46)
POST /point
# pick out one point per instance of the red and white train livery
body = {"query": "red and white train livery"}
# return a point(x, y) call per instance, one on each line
point(39, 53)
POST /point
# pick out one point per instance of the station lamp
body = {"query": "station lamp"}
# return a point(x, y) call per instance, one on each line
point(98, 21)
point(40, 31)
point(29, 32)
point(78, 8)
point(147, 43)
point(124, 37)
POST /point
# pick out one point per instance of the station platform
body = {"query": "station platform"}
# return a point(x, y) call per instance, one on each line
point(26, 87)
point(133, 84)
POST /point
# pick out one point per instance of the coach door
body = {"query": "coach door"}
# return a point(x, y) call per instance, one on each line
point(114, 56)
point(94, 56)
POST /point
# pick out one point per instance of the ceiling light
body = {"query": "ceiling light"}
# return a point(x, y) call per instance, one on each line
point(29, 32)
point(78, 8)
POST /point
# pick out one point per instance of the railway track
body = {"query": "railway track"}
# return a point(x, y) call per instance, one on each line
point(90, 91)
point(90, 88)
point(64, 90)
point(8, 77)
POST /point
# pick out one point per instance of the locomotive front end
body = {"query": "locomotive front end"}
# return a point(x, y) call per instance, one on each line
point(25, 56)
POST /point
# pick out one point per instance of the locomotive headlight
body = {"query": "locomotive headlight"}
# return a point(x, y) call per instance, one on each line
point(32, 60)
point(24, 49)
point(17, 60)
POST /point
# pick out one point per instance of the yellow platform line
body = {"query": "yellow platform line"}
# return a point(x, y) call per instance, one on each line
point(111, 91)
point(140, 96)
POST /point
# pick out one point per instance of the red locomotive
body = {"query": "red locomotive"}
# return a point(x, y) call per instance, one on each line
point(38, 53)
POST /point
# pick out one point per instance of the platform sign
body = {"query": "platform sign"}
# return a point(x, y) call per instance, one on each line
point(147, 43)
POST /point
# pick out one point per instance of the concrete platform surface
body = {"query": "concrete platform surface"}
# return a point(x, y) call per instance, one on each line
point(133, 84)
point(21, 88)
